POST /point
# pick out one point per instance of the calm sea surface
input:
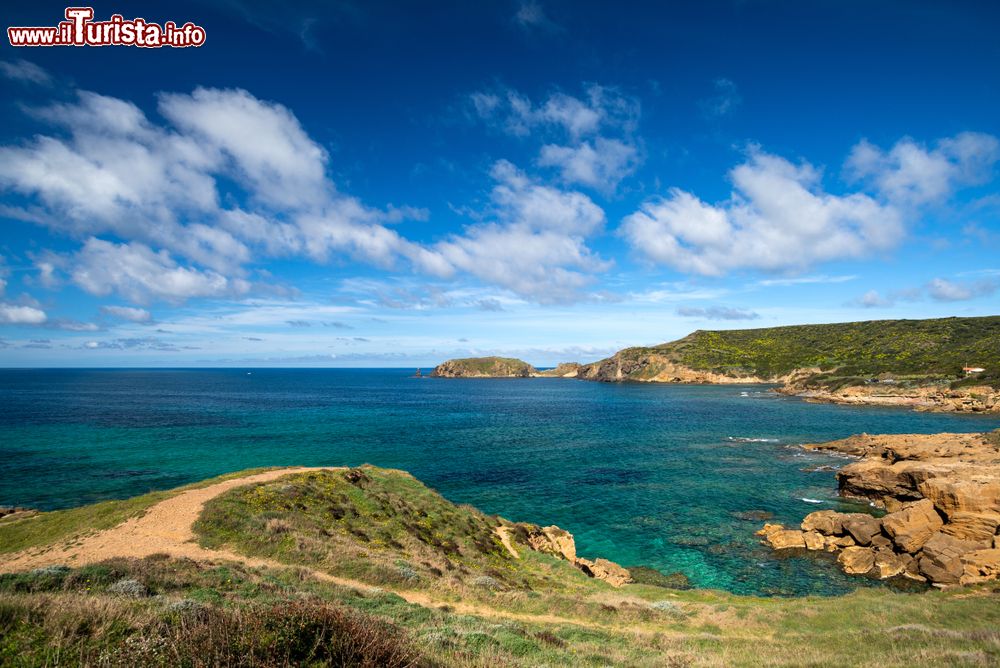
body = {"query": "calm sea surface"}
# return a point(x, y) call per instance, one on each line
point(654, 475)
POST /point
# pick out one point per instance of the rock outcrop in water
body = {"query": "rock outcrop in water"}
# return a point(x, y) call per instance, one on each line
point(942, 494)
point(484, 367)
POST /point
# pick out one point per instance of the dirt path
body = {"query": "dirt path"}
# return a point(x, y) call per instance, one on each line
point(504, 534)
point(167, 527)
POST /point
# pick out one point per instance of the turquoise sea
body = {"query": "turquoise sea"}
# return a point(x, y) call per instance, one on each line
point(655, 475)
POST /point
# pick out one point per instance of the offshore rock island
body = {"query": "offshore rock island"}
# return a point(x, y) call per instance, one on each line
point(945, 364)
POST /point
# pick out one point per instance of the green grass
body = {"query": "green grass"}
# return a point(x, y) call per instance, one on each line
point(385, 528)
point(51, 527)
point(191, 614)
point(912, 351)
point(188, 613)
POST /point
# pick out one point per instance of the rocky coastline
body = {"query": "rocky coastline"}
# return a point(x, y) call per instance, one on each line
point(941, 494)
point(933, 398)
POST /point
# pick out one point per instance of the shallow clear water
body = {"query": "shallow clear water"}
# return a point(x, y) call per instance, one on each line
point(652, 475)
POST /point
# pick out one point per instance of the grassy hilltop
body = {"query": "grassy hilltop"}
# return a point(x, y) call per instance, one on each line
point(369, 567)
point(923, 350)
point(484, 367)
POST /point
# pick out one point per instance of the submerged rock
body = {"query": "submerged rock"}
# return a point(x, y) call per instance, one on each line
point(786, 539)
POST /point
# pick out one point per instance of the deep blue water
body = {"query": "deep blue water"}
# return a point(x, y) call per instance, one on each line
point(642, 474)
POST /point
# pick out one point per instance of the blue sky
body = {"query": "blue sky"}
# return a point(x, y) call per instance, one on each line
point(389, 184)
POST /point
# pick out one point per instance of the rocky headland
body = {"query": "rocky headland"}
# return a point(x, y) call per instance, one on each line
point(920, 364)
point(941, 494)
point(934, 398)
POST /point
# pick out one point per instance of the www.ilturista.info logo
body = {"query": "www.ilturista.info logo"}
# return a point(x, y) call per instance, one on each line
point(80, 29)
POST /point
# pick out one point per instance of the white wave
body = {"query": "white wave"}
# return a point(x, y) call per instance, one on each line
point(808, 500)
point(747, 439)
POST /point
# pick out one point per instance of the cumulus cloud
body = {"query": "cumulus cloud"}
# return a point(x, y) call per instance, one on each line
point(717, 313)
point(535, 245)
point(778, 218)
point(117, 172)
point(938, 289)
point(14, 314)
point(943, 290)
point(24, 72)
point(910, 173)
point(874, 299)
point(128, 313)
point(141, 274)
point(600, 164)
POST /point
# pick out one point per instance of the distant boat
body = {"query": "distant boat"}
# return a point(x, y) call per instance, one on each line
point(417, 374)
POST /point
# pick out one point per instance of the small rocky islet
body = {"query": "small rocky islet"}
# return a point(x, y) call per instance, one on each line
point(941, 494)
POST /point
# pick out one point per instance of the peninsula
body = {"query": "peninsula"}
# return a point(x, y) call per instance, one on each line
point(944, 364)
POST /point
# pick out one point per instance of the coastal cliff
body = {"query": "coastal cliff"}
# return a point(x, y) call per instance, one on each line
point(923, 364)
point(942, 496)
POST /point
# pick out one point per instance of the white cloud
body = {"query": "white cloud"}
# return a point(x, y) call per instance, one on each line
point(119, 173)
point(590, 138)
point(938, 289)
point(282, 165)
point(600, 108)
point(777, 219)
point(25, 72)
point(13, 314)
point(600, 164)
point(536, 247)
point(943, 290)
point(128, 313)
point(910, 173)
point(872, 299)
point(140, 274)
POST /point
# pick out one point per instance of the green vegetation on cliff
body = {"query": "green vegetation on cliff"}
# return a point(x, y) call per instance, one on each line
point(484, 367)
point(919, 349)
